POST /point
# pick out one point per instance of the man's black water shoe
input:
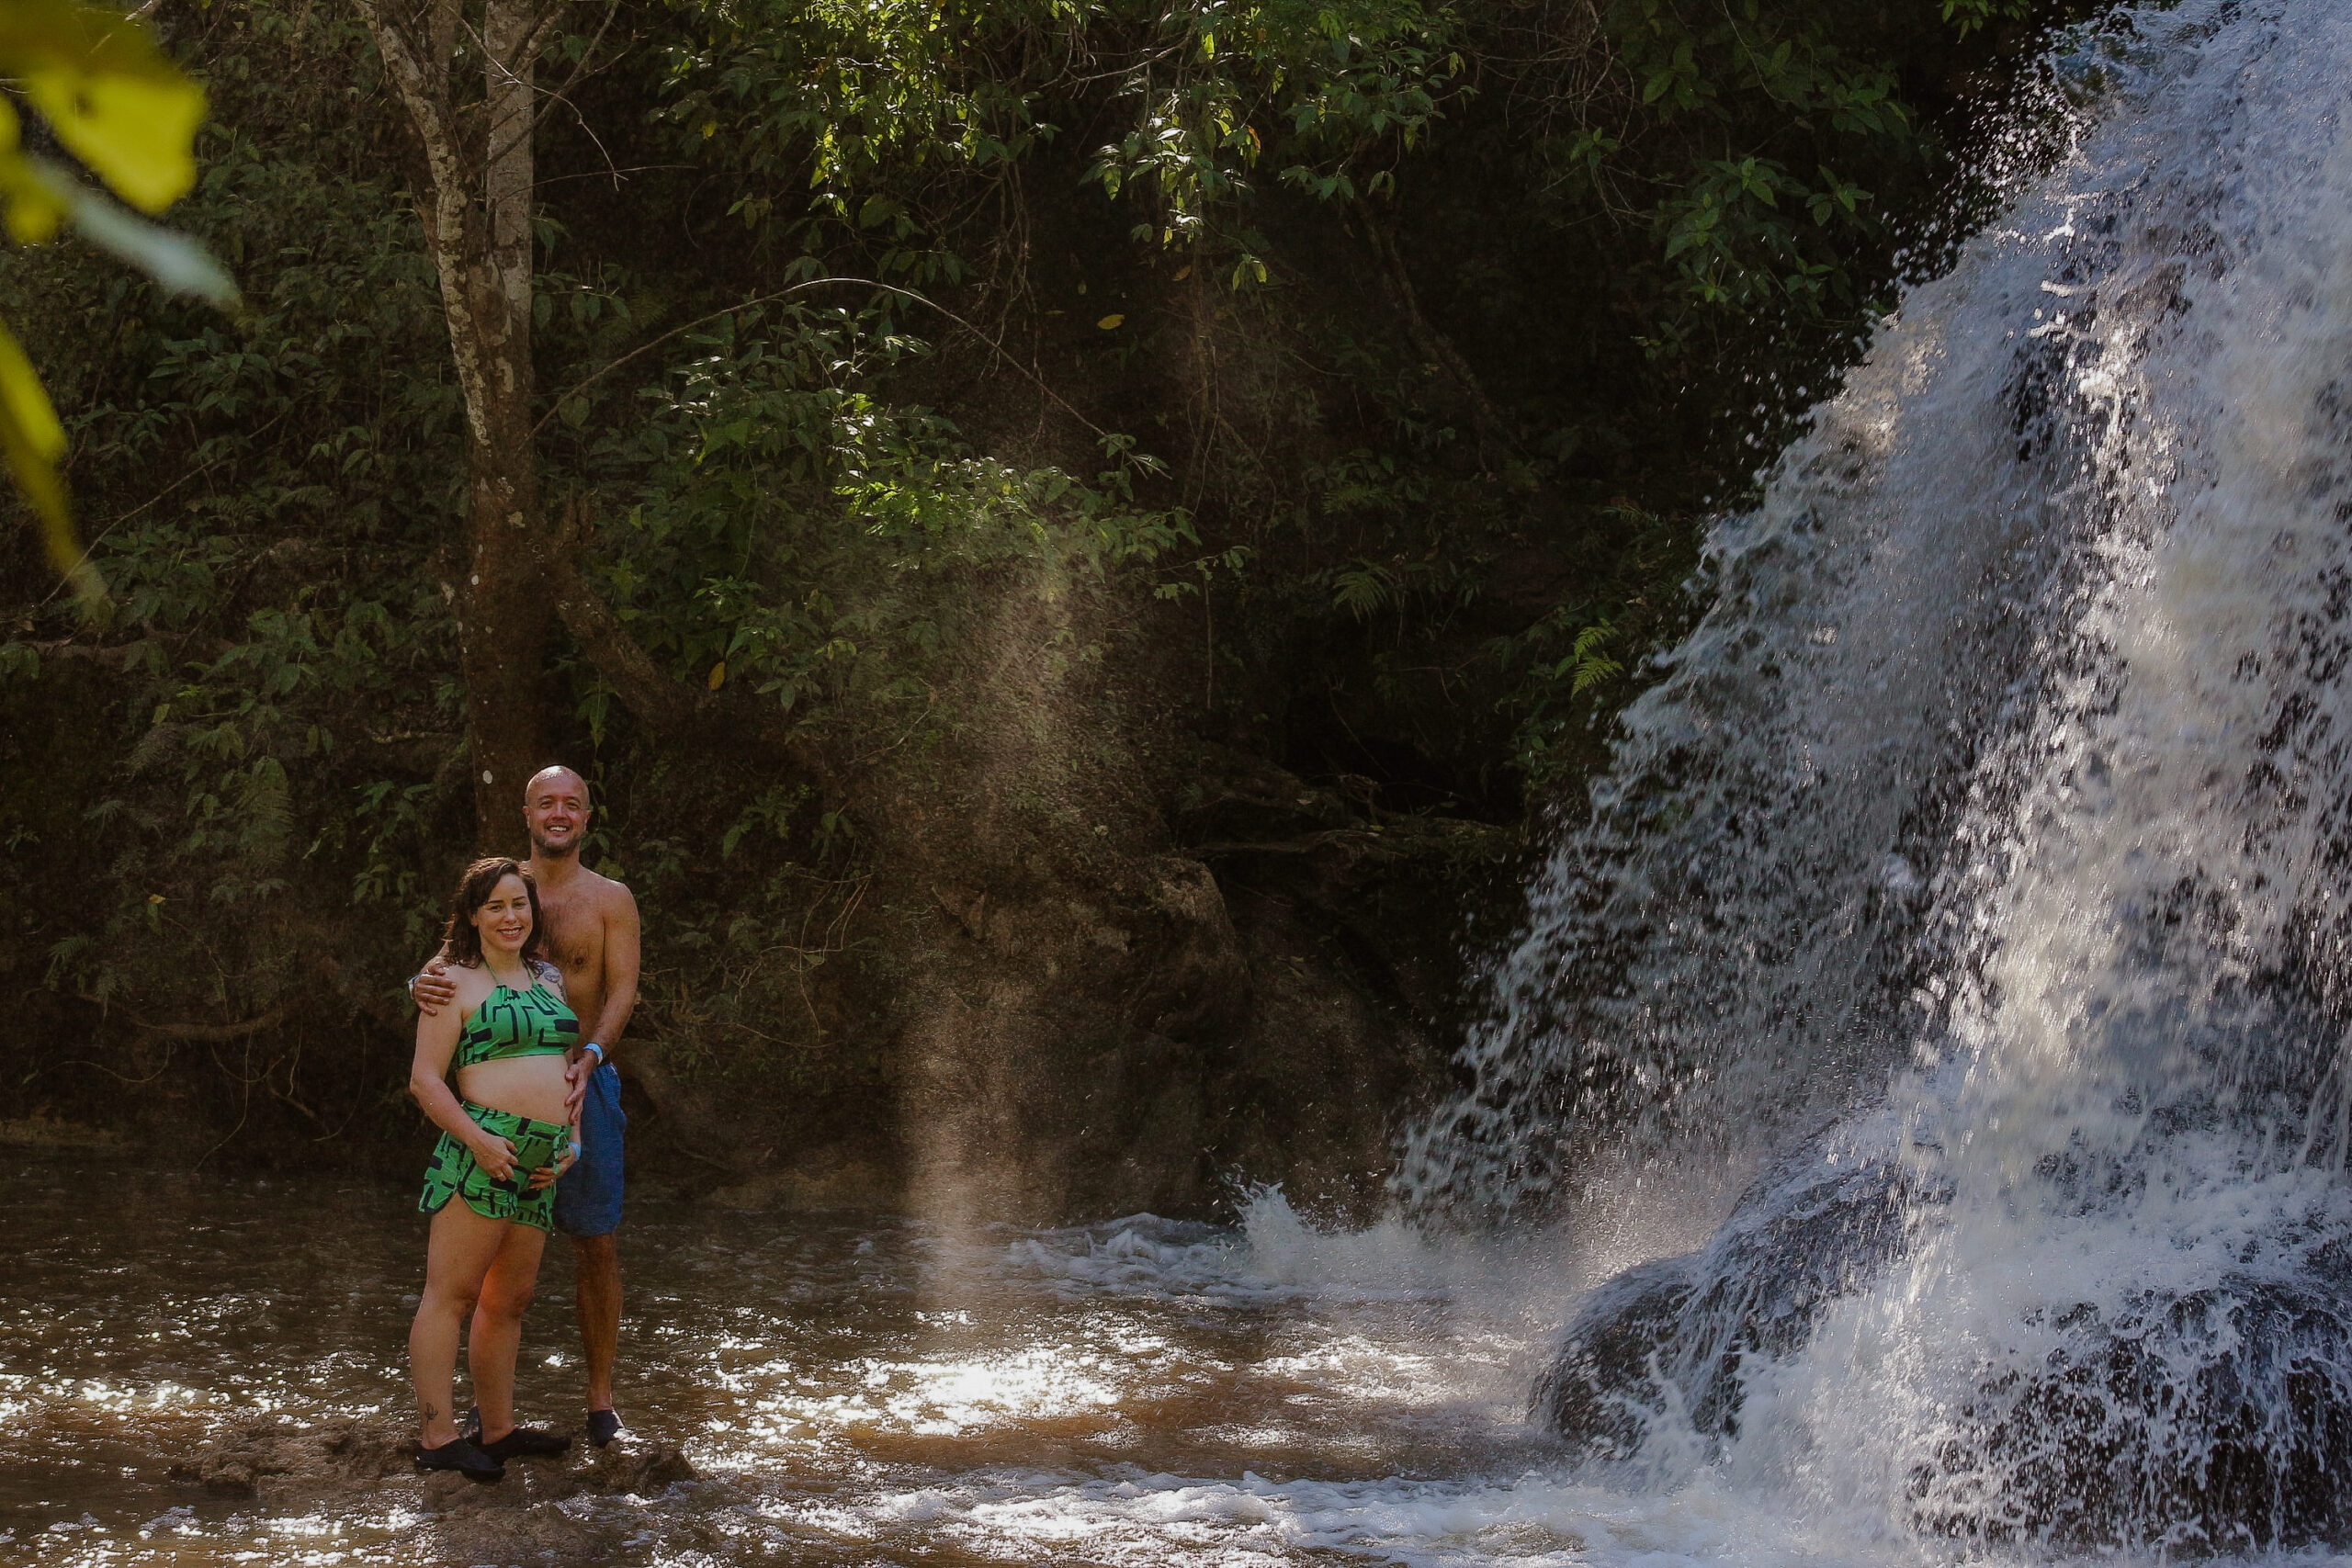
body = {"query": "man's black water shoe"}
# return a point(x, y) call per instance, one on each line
point(603, 1426)
point(526, 1442)
point(462, 1457)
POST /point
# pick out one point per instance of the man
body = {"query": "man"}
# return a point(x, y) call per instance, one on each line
point(592, 937)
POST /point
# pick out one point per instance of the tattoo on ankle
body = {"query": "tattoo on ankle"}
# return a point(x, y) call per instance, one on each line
point(431, 1410)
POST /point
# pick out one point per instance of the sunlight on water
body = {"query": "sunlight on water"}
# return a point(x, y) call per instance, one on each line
point(1143, 1393)
point(1143, 1390)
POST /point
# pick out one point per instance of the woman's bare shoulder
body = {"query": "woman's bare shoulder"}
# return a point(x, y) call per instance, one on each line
point(474, 984)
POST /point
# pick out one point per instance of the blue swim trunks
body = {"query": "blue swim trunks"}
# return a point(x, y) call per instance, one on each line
point(588, 1199)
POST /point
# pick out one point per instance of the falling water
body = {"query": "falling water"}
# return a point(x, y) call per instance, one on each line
point(1997, 818)
point(1973, 887)
point(1739, 922)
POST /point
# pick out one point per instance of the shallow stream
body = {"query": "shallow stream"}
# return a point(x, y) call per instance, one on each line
point(845, 1390)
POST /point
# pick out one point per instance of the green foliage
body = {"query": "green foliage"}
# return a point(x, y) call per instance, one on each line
point(1733, 135)
point(1968, 15)
point(891, 118)
point(1570, 670)
point(847, 106)
point(1332, 94)
point(792, 530)
point(263, 497)
point(1420, 303)
point(276, 501)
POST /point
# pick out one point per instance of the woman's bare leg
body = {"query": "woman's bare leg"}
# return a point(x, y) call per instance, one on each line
point(497, 1333)
point(459, 1254)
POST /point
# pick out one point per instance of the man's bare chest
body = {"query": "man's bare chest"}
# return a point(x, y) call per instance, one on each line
point(576, 943)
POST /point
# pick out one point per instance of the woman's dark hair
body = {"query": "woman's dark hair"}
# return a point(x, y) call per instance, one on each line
point(462, 941)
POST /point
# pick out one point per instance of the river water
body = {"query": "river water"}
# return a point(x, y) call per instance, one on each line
point(846, 1391)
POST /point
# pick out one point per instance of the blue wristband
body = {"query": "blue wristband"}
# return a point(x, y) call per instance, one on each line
point(592, 1045)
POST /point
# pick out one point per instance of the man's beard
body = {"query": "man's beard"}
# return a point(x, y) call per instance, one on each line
point(554, 852)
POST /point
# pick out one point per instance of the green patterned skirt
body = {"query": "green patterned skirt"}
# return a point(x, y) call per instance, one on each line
point(454, 1172)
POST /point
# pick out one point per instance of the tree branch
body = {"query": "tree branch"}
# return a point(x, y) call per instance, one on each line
point(663, 704)
point(1398, 285)
point(215, 1034)
point(445, 215)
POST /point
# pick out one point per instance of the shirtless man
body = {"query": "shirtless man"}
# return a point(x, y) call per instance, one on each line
point(593, 937)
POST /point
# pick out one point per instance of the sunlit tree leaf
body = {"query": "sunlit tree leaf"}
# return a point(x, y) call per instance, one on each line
point(31, 441)
point(114, 102)
point(108, 94)
point(32, 211)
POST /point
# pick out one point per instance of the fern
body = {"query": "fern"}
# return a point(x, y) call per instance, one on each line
point(1587, 666)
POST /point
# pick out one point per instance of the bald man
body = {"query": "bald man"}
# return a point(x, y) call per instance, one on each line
point(592, 937)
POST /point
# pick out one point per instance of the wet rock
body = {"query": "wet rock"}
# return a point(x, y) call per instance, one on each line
point(2220, 1420)
point(2213, 1420)
point(265, 1457)
point(237, 1463)
point(446, 1488)
point(1819, 1225)
point(642, 1468)
point(1599, 1390)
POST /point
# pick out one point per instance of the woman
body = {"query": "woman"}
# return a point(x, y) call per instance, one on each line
point(502, 1145)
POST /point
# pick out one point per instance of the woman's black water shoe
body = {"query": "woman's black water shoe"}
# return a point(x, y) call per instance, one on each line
point(603, 1426)
point(462, 1457)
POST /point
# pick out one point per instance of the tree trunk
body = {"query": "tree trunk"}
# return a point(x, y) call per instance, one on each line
point(477, 219)
point(509, 608)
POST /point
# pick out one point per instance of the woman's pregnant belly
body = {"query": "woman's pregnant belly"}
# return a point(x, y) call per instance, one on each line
point(527, 1086)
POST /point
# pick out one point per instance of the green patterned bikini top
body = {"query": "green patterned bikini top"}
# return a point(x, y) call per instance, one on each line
point(536, 1022)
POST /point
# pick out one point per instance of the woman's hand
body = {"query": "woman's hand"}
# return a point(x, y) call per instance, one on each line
point(494, 1155)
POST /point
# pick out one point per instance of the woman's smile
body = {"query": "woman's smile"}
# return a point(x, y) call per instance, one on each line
point(505, 916)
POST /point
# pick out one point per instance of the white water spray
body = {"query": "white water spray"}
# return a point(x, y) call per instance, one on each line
point(1999, 807)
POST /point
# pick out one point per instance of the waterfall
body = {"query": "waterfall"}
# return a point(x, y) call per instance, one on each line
point(1974, 885)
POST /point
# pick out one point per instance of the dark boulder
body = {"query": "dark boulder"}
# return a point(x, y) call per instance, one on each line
point(2213, 1419)
point(1818, 1224)
point(1603, 1387)
point(2220, 1420)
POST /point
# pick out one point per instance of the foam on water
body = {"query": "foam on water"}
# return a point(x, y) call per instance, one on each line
point(1277, 1254)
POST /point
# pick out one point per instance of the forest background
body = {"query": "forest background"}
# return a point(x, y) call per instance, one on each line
point(1073, 540)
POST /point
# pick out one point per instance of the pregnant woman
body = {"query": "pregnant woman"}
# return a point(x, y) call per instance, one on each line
point(505, 1137)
